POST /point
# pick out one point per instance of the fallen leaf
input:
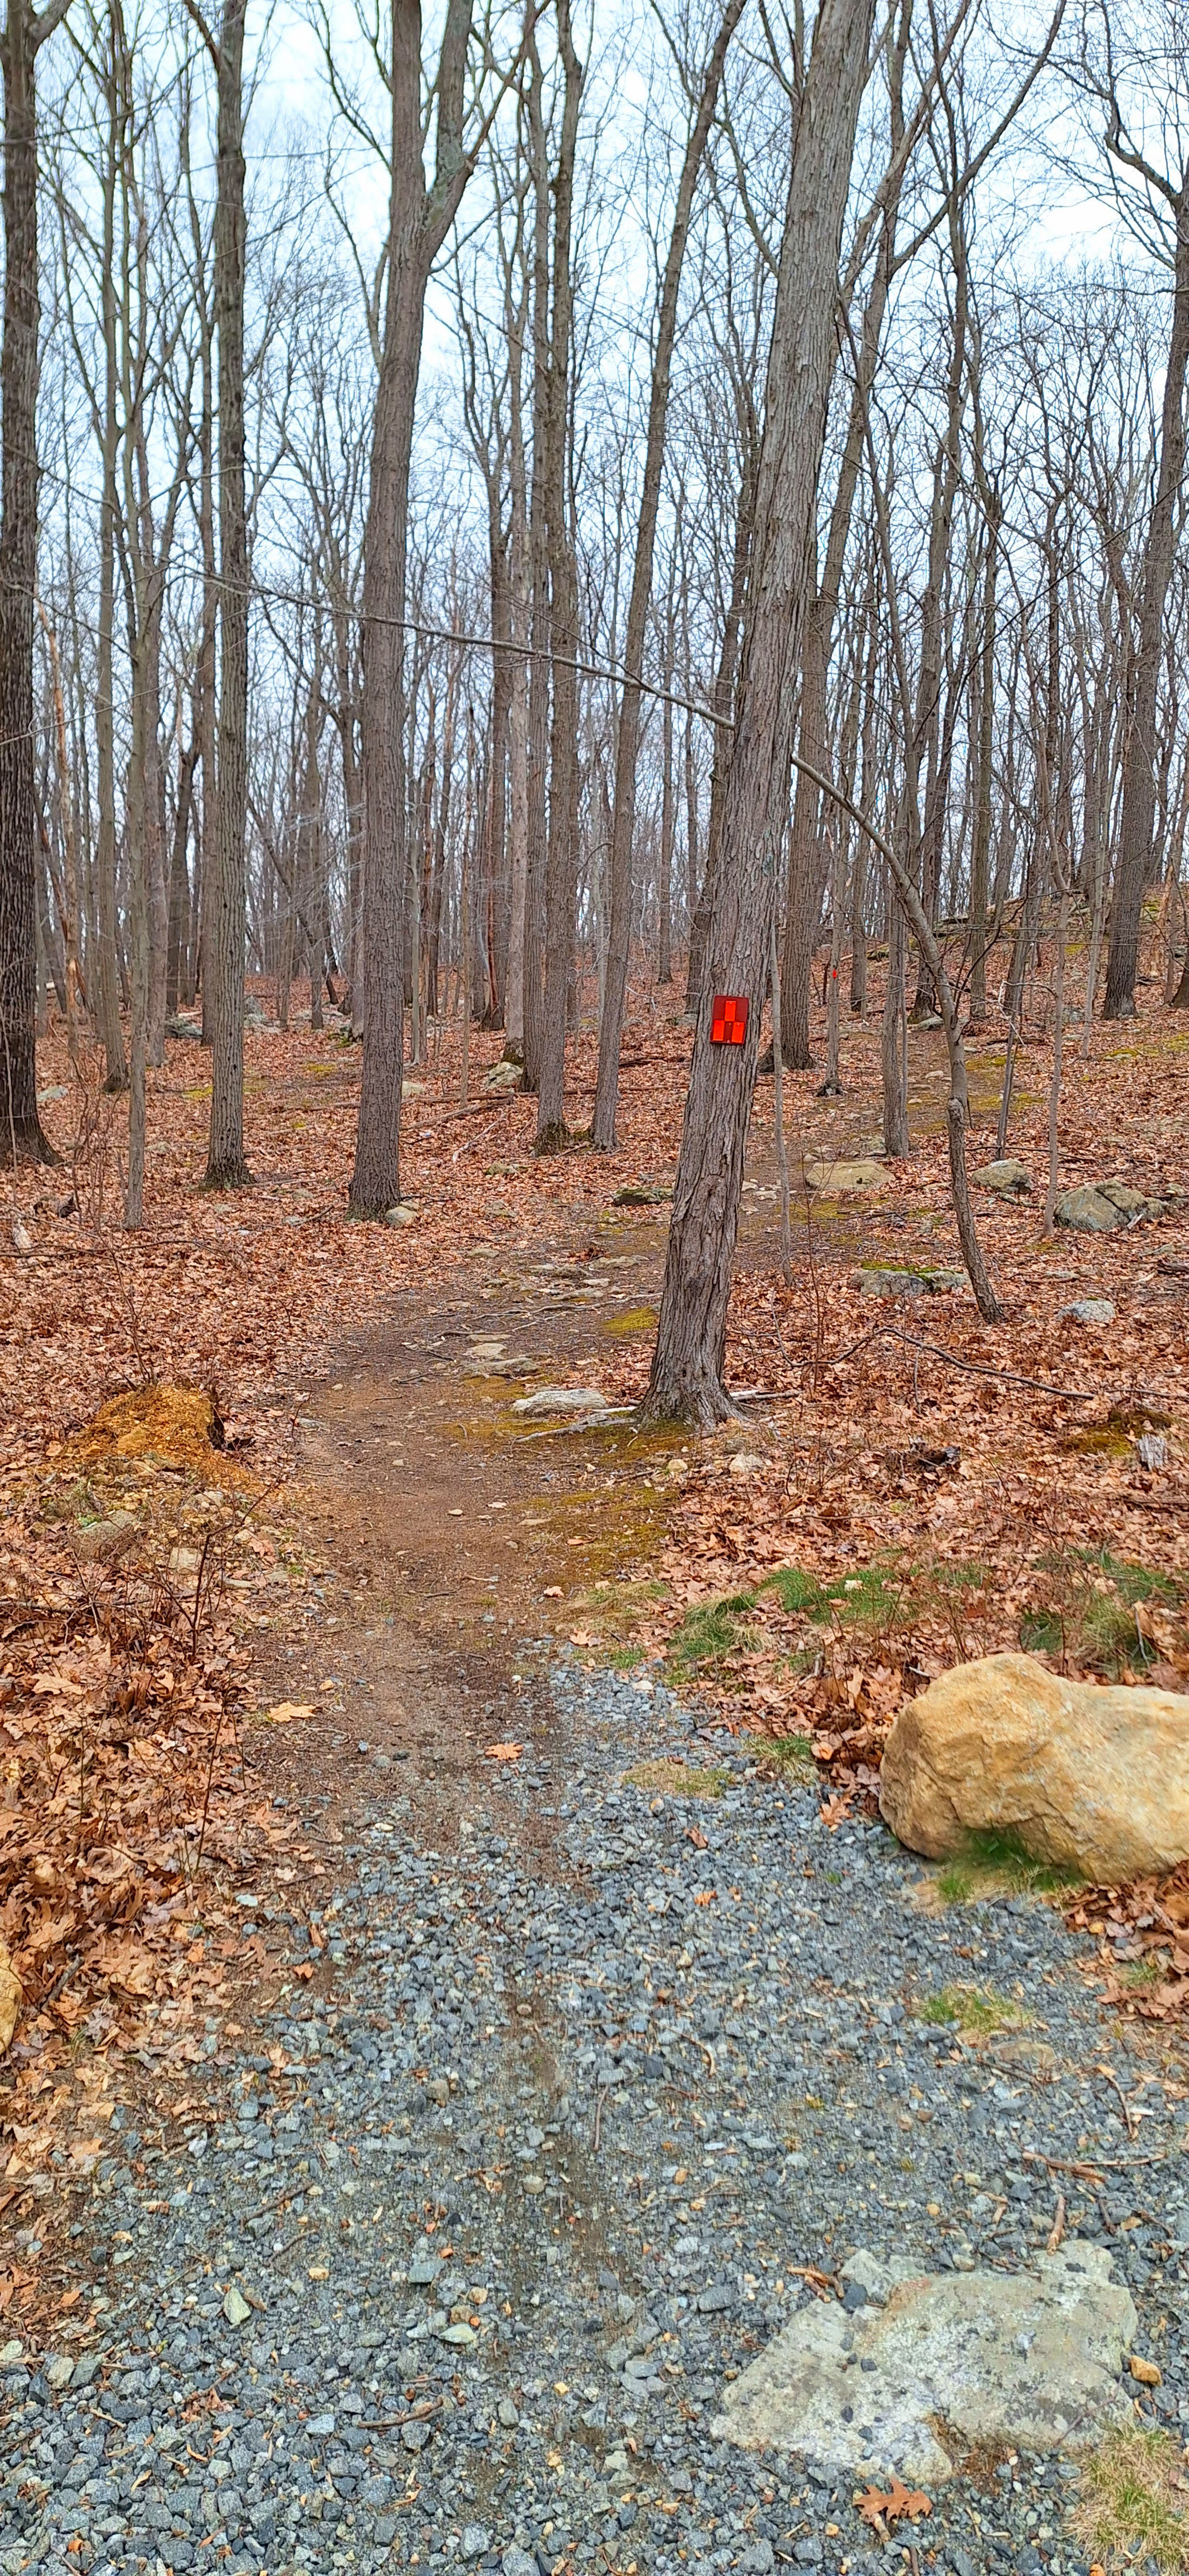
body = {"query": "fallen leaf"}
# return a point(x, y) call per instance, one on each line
point(284, 1710)
point(1145, 2371)
point(553, 1592)
point(695, 1835)
point(504, 1752)
point(706, 1896)
point(900, 2504)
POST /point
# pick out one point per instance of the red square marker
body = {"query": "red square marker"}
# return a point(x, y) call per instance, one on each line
point(728, 1023)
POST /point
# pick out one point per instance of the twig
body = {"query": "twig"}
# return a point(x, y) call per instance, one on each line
point(1102, 2164)
point(599, 2100)
point(1002, 1377)
point(1112, 2078)
point(1057, 2230)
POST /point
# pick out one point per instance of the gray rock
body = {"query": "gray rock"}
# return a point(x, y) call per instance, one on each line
point(235, 2307)
point(475, 2540)
point(1008, 1179)
point(560, 1399)
point(1091, 1310)
point(1088, 1211)
point(1030, 2360)
point(516, 2562)
point(320, 2427)
point(507, 2414)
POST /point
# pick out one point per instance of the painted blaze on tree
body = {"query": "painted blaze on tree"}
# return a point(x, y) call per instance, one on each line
point(728, 1019)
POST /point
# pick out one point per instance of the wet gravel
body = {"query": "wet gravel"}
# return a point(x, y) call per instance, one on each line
point(457, 2265)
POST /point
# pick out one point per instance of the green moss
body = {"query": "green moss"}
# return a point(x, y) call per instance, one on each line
point(973, 2008)
point(1100, 1444)
point(997, 1864)
point(638, 1319)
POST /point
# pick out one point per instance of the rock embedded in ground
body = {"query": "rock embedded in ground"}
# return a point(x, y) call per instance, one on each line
point(875, 1281)
point(1088, 1778)
point(933, 2366)
point(1100, 1207)
point(842, 1179)
point(1008, 1179)
point(1091, 1310)
point(561, 1399)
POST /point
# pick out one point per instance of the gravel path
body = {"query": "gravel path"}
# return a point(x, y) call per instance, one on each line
point(471, 2242)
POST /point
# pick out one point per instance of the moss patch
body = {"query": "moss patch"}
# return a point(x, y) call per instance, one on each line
point(996, 1864)
point(977, 2009)
point(638, 1319)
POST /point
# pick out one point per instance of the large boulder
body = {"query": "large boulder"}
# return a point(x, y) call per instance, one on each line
point(1089, 1779)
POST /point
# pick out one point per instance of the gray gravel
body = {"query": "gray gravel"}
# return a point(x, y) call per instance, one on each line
point(550, 2151)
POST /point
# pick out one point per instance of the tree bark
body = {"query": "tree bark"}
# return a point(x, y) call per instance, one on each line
point(628, 735)
point(1139, 751)
point(687, 1379)
point(419, 219)
point(226, 1166)
point(562, 852)
point(20, 1127)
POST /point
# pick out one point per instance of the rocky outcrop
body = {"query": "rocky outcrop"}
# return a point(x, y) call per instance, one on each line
point(1091, 1779)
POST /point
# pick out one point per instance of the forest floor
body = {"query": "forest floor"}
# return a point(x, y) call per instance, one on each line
point(320, 1816)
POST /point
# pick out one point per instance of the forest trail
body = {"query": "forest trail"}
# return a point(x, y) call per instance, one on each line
point(575, 2052)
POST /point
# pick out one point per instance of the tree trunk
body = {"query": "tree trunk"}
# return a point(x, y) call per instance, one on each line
point(226, 1167)
point(20, 1127)
point(1139, 751)
point(419, 219)
point(628, 735)
point(688, 1363)
point(562, 856)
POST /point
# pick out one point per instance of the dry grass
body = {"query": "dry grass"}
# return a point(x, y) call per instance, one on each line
point(1134, 2506)
point(662, 1779)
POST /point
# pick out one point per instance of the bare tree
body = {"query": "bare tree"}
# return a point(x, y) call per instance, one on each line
point(687, 1379)
point(24, 34)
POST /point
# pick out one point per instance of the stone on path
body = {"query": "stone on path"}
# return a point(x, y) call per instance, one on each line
point(1008, 1179)
point(838, 1180)
point(935, 2363)
point(235, 2307)
point(561, 1399)
point(1089, 1778)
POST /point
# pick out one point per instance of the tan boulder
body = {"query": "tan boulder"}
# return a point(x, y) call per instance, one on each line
point(1087, 1778)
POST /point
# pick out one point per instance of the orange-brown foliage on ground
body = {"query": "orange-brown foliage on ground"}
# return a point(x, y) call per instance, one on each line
point(992, 1477)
